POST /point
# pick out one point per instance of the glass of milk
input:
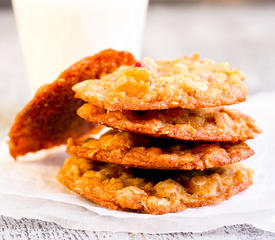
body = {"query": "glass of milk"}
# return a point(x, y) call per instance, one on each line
point(56, 33)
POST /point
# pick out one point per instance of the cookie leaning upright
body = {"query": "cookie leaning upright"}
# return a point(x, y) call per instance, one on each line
point(187, 82)
point(50, 118)
point(174, 146)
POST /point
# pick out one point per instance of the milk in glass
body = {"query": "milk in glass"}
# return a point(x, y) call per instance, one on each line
point(56, 33)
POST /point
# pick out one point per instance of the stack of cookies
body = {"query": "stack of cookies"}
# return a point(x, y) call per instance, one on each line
point(173, 145)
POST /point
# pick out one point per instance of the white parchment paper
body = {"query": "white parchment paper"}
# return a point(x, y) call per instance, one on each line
point(28, 188)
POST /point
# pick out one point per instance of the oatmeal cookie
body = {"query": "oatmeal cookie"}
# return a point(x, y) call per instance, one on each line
point(187, 82)
point(152, 191)
point(153, 153)
point(50, 117)
point(205, 124)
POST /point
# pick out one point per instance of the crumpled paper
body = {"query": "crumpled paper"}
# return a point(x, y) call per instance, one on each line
point(28, 188)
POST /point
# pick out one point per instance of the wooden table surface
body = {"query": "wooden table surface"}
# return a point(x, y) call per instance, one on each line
point(244, 36)
point(35, 229)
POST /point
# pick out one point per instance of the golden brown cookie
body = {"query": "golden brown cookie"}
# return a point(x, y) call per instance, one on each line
point(153, 153)
point(187, 82)
point(152, 191)
point(205, 124)
point(50, 117)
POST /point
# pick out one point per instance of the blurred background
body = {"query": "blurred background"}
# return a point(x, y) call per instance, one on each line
point(241, 32)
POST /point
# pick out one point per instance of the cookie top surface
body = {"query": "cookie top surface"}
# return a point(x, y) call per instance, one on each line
point(187, 82)
point(206, 124)
point(50, 118)
point(139, 151)
point(152, 191)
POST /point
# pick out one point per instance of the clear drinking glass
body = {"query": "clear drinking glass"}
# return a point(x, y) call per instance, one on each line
point(56, 33)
